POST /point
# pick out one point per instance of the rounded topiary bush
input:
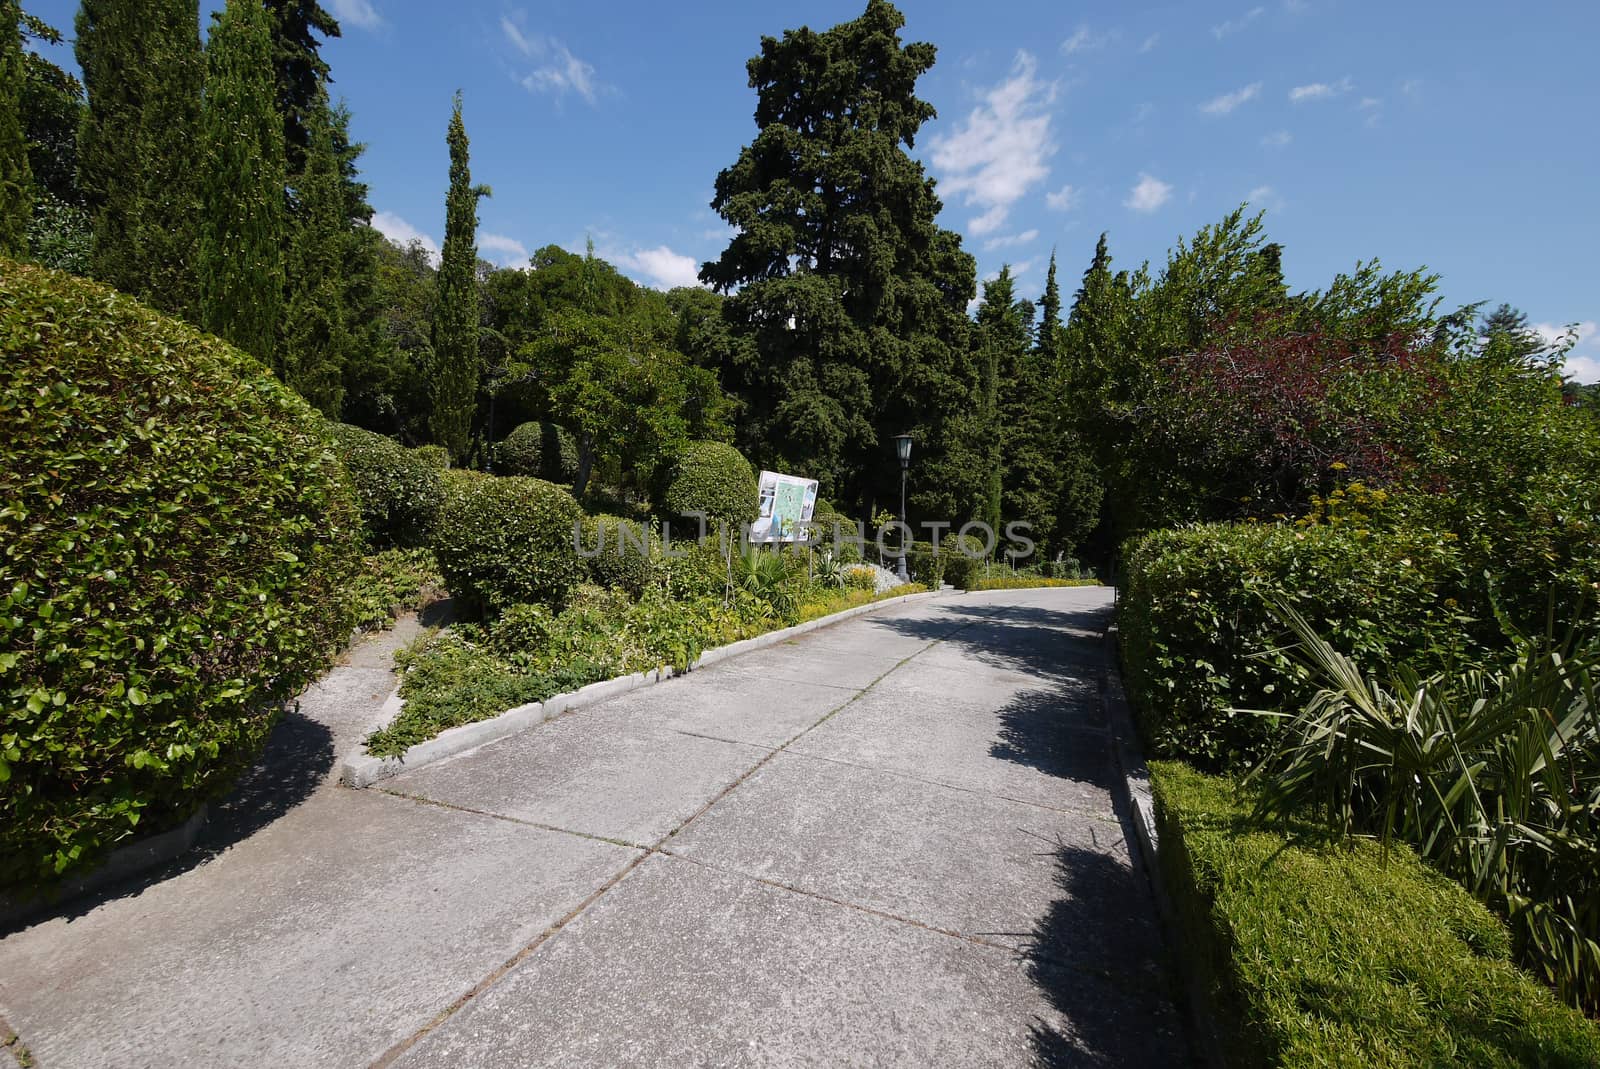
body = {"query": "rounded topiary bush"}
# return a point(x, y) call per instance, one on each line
point(175, 540)
point(713, 478)
point(398, 489)
point(541, 450)
point(508, 540)
point(619, 552)
point(436, 457)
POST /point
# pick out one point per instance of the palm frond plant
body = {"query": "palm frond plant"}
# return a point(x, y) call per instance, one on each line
point(1493, 775)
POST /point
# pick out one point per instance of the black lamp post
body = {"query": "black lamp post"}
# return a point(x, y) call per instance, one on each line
point(902, 448)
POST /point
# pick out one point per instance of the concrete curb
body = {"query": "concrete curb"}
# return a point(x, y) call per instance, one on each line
point(361, 769)
point(131, 859)
point(1133, 781)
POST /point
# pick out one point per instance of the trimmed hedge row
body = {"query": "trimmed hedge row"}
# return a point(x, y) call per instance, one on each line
point(1198, 633)
point(1312, 955)
point(176, 537)
point(399, 490)
point(508, 540)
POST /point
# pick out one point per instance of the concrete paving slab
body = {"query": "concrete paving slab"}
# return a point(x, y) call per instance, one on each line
point(972, 864)
point(726, 703)
point(680, 965)
point(607, 771)
point(1042, 746)
point(327, 940)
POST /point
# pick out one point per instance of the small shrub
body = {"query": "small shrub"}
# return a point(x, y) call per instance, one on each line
point(713, 478)
point(625, 551)
point(1339, 955)
point(436, 457)
point(1025, 582)
point(505, 541)
point(398, 489)
point(926, 566)
point(391, 582)
point(176, 540)
point(860, 577)
point(1200, 638)
point(539, 450)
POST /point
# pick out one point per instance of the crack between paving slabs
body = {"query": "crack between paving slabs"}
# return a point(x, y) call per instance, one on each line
point(389, 1056)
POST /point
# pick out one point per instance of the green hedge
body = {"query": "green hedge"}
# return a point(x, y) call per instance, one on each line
point(176, 537)
point(540, 450)
point(1194, 613)
point(1325, 956)
point(713, 478)
point(619, 562)
point(504, 541)
point(399, 489)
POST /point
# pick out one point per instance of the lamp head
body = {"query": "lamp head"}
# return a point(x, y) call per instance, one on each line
point(902, 448)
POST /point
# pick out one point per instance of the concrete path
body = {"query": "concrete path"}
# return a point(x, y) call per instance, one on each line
point(889, 842)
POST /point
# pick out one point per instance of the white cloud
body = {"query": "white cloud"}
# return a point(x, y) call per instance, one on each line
point(403, 233)
point(1084, 39)
point(1233, 26)
point(511, 252)
point(1583, 360)
point(1225, 103)
point(1148, 194)
point(1064, 199)
point(1301, 94)
point(663, 268)
point(1277, 139)
point(1149, 43)
point(359, 13)
point(998, 152)
point(1006, 241)
point(1265, 197)
point(567, 72)
point(528, 46)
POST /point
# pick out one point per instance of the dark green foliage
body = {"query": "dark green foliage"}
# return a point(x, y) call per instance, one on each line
point(1200, 638)
point(16, 173)
point(852, 296)
point(542, 450)
point(390, 582)
point(139, 149)
point(1313, 955)
point(456, 365)
point(174, 550)
point(315, 340)
point(59, 235)
point(242, 227)
point(622, 550)
point(399, 490)
point(436, 457)
point(300, 74)
point(386, 380)
point(51, 111)
point(505, 541)
point(715, 479)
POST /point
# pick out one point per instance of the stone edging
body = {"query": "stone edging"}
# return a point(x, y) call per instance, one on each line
point(128, 860)
point(360, 769)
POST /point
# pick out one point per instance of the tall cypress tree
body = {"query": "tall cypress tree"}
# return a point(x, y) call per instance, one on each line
point(139, 143)
point(300, 73)
point(455, 315)
point(1048, 342)
point(16, 177)
point(316, 342)
point(241, 246)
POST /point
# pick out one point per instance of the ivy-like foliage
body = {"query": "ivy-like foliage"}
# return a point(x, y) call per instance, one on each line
point(175, 540)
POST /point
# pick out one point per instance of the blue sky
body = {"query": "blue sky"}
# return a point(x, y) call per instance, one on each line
point(1459, 135)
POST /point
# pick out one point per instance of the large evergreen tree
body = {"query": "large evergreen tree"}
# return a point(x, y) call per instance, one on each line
point(300, 73)
point(316, 342)
point(455, 315)
point(16, 177)
point(138, 148)
point(854, 298)
point(1047, 341)
point(241, 244)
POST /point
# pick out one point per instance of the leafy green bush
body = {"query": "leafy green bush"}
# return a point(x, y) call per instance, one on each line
point(713, 478)
point(503, 541)
point(398, 489)
point(391, 582)
point(436, 457)
point(1199, 638)
point(176, 538)
point(541, 450)
point(860, 577)
point(622, 551)
point(1311, 955)
point(1026, 582)
point(926, 566)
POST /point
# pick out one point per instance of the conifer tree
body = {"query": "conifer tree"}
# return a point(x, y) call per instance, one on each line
point(455, 315)
point(241, 245)
point(138, 148)
point(316, 341)
point(300, 73)
point(16, 178)
point(1048, 342)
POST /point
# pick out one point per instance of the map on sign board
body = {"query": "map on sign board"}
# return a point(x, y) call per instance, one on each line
point(787, 502)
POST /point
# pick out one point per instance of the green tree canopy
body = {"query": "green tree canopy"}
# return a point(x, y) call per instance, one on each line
point(455, 313)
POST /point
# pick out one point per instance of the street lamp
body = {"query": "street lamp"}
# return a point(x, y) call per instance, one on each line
point(902, 448)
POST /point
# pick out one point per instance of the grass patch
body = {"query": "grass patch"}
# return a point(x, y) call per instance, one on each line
point(392, 582)
point(1310, 954)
